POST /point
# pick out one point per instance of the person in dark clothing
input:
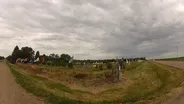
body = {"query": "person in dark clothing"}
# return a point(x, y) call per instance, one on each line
point(121, 63)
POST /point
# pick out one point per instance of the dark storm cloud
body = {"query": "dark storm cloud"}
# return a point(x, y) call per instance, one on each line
point(92, 28)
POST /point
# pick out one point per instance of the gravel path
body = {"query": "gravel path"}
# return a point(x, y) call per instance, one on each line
point(11, 92)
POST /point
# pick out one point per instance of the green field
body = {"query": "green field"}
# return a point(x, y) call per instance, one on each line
point(173, 59)
point(142, 83)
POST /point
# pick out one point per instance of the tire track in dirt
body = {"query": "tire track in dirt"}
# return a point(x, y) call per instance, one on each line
point(179, 99)
point(11, 92)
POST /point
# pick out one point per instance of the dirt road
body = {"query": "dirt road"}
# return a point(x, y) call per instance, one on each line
point(178, 64)
point(179, 99)
point(11, 92)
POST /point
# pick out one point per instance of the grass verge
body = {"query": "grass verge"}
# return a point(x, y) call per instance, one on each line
point(149, 82)
point(39, 86)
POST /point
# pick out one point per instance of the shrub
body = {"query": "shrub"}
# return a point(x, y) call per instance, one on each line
point(70, 65)
point(81, 76)
point(100, 67)
point(109, 65)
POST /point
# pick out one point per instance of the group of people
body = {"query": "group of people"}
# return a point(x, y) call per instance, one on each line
point(120, 64)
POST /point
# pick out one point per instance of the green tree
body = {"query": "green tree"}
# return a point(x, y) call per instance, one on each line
point(37, 55)
point(27, 52)
point(15, 54)
point(9, 58)
point(52, 55)
point(64, 58)
point(100, 66)
point(15, 51)
point(1, 57)
point(109, 65)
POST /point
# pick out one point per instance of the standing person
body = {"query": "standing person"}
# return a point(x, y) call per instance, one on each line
point(120, 63)
point(129, 61)
point(118, 68)
point(43, 59)
point(123, 63)
point(121, 66)
point(117, 64)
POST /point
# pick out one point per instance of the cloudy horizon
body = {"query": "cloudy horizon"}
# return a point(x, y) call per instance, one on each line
point(94, 29)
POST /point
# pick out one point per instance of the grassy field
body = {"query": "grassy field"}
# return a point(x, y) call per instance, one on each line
point(142, 83)
point(173, 59)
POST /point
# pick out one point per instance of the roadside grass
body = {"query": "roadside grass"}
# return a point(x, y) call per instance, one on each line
point(133, 65)
point(42, 87)
point(151, 82)
point(144, 82)
point(167, 78)
point(147, 82)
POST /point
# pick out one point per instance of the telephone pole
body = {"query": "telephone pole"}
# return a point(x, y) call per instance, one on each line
point(178, 50)
point(177, 53)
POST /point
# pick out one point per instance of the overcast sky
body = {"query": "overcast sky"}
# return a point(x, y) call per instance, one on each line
point(94, 29)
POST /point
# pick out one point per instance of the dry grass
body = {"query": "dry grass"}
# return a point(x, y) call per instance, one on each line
point(143, 83)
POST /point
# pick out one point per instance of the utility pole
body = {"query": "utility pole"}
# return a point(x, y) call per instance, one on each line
point(177, 53)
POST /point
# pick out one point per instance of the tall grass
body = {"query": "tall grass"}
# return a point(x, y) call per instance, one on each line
point(30, 83)
point(149, 82)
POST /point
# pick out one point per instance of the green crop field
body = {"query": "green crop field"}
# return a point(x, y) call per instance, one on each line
point(173, 59)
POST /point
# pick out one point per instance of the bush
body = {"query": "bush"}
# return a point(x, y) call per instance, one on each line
point(81, 76)
point(109, 66)
point(70, 65)
point(100, 67)
point(1, 58)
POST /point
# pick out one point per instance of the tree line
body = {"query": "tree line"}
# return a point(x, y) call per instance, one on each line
point(108, 60)
point(2, 58)
point(29, 54)
point(56, 59)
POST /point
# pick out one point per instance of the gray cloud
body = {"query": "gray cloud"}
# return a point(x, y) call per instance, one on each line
point(92, 28)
